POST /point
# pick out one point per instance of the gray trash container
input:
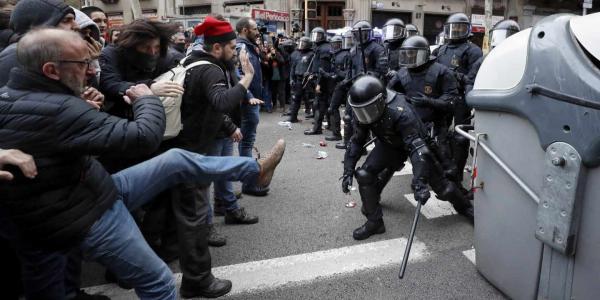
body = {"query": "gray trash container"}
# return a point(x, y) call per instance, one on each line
point(537, 123)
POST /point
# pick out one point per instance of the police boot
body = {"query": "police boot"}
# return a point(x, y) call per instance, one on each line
point(459, 201)
point(317, 125)
point(334, 120)
point(368, 229)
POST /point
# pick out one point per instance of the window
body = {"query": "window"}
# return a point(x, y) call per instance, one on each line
point(335, 11)
point(194, 10)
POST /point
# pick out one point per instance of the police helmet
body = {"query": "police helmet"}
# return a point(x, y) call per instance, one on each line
point(414, 52)
point(362, 32)
point(347, 40)
point(411, 30)
point(336, 42)
point(317, 35)
point(304, 43)
point(457, 27)
point(367, 98)
point(288, 45)
point(502, 30)
point(393, 30)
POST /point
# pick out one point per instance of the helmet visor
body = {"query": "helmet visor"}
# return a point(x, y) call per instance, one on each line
point(412, 58)
point(347, 42)
point(411, 32)
point(361, 36)
point(370, 111)
point(316, 36)
point(456, 31)
point(393, 32)
point(303, 44)
point(337, 45)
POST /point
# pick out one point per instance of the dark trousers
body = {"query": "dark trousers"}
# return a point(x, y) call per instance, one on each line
point(322, 100)
point(299, 94)
point(278, 93)
point(381, 164)
point(190, 204)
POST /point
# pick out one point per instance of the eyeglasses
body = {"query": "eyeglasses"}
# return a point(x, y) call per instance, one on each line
point(86, 62)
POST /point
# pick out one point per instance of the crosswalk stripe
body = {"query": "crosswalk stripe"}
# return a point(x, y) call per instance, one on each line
point(470, 254)
point(272, 273)
point(434, 208)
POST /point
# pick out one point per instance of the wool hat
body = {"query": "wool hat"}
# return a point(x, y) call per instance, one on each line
point(215, 31)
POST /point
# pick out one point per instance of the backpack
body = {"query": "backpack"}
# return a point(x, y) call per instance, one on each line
point(172, 105)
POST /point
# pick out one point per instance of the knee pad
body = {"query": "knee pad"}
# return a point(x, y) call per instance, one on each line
point(364, 177)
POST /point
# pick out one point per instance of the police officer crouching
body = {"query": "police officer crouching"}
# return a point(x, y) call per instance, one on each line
point(400, 134)
point(321, 66)
point(301, 61)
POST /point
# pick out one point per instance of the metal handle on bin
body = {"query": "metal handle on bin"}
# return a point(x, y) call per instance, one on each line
point(461, 130)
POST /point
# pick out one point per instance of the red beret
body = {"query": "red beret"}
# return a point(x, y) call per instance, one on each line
point(215, 31)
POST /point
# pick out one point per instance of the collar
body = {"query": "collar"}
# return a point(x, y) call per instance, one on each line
point(30, 81)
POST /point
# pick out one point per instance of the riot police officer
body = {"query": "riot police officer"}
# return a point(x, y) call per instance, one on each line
point(460, 55)
point(432, 89)
point(322, 65)
point(400, 134)
point(411, 30)
point(299, 73)
point(374, 61)
point(394, 33)
point(341, 51)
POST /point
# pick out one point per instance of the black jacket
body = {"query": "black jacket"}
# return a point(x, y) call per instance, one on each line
point(118, 74)
point(72, 190)
point(207, 97)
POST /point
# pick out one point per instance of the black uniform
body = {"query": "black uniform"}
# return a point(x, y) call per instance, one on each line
point(460, 57)
point(437, 82)
point(391, 49)
point(300, 62)
point(322, 65)
point(400, 135)
point(375, 61)
point(341, 64)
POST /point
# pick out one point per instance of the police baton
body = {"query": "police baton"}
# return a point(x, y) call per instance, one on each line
point(410, 240)
point(362, 50)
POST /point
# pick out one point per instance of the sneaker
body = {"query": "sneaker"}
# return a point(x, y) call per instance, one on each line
point(239, 216)
point(214, 238)
point(269, 163)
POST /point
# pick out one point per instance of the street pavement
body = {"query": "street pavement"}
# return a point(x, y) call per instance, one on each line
point(302, 248)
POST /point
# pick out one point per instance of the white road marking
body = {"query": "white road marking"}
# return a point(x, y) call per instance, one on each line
point(434, 208)
point(407, 170)
point(470, 254)
point(302, 268)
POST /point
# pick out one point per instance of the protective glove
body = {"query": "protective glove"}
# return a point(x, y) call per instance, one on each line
point(421, 193)
point(330, 110)
point(346, 181)
point(460, 77)
point(419, 101)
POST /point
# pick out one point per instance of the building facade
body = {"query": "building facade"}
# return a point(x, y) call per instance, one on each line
point(279, 15)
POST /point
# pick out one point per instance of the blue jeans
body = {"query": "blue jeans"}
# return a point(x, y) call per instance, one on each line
point(116, 242)
point(250, 118)
point(267, 95)
point(224, 189)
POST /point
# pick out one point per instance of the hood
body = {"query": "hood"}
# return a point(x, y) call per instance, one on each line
point(85, 22)
point(33, 13)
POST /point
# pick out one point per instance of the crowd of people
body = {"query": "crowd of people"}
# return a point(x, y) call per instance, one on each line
point(90, 172)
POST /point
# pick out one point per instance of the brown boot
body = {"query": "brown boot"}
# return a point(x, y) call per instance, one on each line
point(269, 162)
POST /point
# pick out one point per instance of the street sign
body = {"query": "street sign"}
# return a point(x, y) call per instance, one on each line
point(587, 5)
point(588, 1)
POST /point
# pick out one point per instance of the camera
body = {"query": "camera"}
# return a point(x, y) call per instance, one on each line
point(262, 28)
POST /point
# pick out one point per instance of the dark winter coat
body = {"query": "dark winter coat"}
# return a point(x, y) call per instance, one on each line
point(210, 92)
point(61, 131)
point(118, 74)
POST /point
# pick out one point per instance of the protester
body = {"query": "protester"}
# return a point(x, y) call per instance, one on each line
point(98, 16)
point(179, 42)
point(277, 78)
point(33, 13)
point(90, 32)
point(73, 202)
point(247, 35)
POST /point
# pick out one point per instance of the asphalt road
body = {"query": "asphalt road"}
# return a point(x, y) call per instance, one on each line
point(305, 212)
